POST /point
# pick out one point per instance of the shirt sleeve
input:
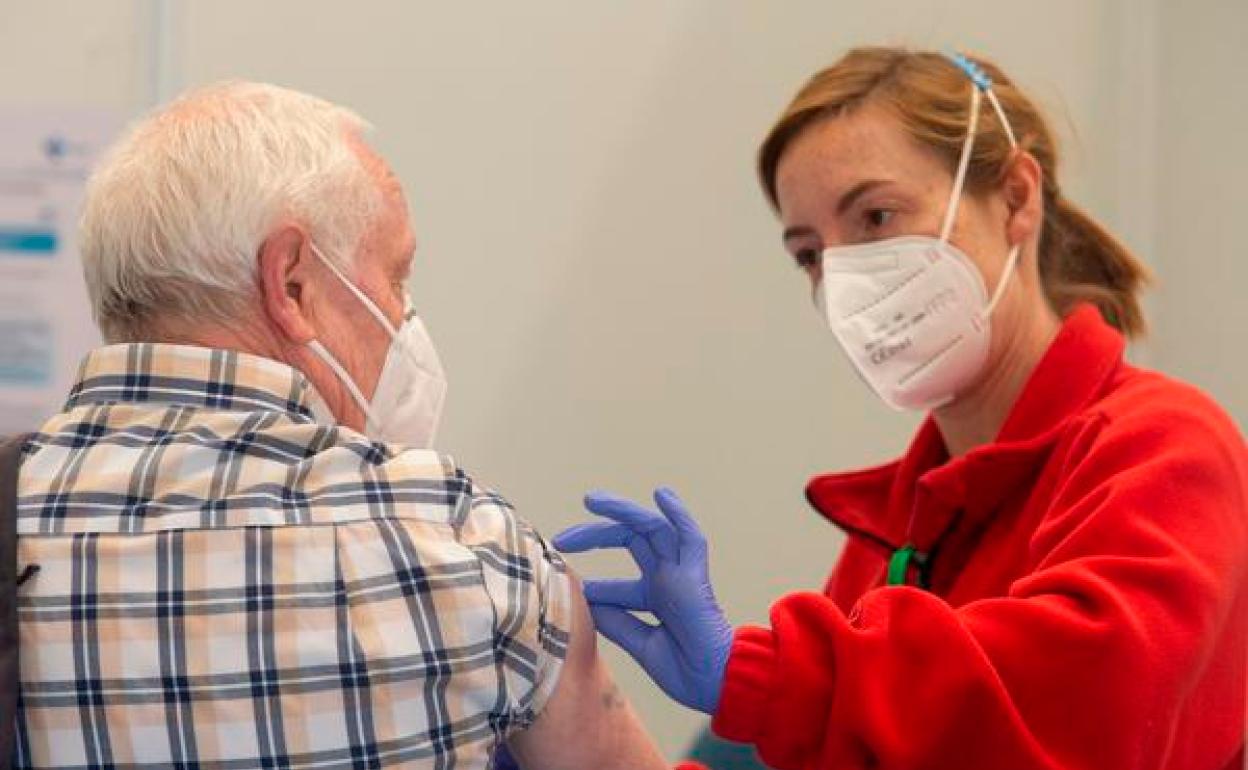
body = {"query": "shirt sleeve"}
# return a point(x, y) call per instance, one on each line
point(529, 587)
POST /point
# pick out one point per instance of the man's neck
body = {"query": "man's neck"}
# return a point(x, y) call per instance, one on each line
point(976, 418)
point(243, 338)
point(258, 341)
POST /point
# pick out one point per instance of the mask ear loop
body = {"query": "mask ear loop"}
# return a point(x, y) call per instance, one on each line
point(323, 353)
point(409, 312)
point(1012, 261)
point(368, 303)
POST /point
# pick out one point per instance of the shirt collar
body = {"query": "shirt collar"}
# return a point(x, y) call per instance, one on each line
point(878, 503)
point(185, 375)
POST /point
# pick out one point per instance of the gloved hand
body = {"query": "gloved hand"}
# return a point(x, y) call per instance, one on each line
point(685, 654)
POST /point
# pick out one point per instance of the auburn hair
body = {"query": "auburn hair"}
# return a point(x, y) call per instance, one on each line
point(1079, 260)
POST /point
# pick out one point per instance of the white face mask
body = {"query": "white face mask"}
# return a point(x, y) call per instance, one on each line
point(407, 403)
point(913, 313)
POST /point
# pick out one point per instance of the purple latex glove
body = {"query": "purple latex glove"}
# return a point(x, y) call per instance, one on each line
point(685, 654)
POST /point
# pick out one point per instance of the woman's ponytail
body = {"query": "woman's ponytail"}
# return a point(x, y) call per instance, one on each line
point(1081, 262)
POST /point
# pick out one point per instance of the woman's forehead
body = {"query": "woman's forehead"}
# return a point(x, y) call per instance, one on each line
point(836, 153)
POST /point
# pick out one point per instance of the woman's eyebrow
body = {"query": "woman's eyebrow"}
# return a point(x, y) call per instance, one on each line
point(857, 191)
point(844, 204)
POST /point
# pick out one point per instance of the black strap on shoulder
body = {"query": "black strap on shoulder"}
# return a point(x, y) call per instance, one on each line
point(10, 460)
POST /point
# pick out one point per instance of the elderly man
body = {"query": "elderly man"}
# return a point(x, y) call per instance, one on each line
point(249, 556)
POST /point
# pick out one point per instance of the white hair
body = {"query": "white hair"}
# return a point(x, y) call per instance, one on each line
point(177, 210)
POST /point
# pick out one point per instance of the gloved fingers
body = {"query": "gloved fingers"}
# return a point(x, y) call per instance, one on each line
point(624, 630)
point(691, 541)
point(655, 527)
point(592, 535)
point(607, 534)
point(626, 594)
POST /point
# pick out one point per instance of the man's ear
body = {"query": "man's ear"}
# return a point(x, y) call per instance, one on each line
point(284, 271)
point(1023, 188)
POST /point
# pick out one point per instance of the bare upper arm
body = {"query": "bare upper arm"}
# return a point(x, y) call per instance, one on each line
point(587, 722)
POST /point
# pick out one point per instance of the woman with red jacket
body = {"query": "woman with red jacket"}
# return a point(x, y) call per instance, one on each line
point(1055, 574)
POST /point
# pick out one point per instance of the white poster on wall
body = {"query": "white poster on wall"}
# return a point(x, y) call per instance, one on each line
point(45, 320)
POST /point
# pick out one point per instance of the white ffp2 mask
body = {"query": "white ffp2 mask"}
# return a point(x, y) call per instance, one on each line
point(912, 313)
point(407, 403)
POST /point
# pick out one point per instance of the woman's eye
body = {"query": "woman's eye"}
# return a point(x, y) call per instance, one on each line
point(877, 218)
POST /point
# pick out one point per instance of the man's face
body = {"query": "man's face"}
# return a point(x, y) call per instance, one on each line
point(381, 269)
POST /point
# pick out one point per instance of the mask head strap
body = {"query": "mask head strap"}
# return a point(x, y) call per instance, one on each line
point(973, 71)
point(964, 162)
point(982, 85)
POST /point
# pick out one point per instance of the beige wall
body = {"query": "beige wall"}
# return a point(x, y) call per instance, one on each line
point(597, 265)
point(1202, 201)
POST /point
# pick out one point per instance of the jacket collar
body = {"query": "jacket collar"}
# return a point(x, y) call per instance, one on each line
point(916, 498)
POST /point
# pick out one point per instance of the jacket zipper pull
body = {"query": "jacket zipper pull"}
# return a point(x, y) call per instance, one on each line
point(899, 565)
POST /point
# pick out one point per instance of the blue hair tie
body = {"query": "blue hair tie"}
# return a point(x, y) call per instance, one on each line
point(973, 71)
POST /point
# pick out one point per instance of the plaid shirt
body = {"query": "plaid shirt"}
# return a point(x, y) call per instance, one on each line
point(228, 582)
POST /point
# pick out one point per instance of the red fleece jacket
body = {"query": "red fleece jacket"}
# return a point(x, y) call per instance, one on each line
point(1086, 600)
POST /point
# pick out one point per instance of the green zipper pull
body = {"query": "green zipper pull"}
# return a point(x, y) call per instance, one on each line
point(899, 564)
